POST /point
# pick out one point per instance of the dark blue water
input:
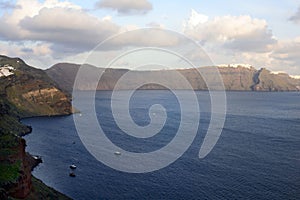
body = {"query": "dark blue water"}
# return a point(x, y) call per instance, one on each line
point(256, 157)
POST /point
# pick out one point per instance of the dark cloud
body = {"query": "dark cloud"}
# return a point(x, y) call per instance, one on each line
point(72, 28)
point(259, 42)
point(27, 50)
point(296, 17)
point(288, 51)
point(126, 7)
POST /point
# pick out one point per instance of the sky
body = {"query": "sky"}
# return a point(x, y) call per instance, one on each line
point(260, 33)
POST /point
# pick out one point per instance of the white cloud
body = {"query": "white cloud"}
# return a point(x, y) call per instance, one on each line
point(126, 7)
point(242, 39)
point(195, 19)
point(240, 33)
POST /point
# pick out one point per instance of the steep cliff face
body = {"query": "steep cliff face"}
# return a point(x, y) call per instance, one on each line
point(237, 78)
point(15, 164)
point(267, 81)
point(19, 185)
point(24, 92)
point(32, 91)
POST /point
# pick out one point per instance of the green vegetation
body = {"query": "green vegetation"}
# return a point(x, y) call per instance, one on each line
point(9, 172)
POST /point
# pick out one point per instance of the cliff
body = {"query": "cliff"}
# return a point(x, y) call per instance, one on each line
point(31, 90)
point(24, 92)
point(267, 81)
point(237, 78)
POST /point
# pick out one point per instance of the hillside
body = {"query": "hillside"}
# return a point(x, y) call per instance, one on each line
point(236, 78)
point(24, 92)
point(31, 90)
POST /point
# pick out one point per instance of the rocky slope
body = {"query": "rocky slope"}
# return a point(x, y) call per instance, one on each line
point(267, 81)
point(236, 78)
point(24, 92)
point(31, 90)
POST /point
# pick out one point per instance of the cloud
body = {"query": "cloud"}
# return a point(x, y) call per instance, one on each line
point(155, 25)
point(288, 51)
point(243, 39)
point(38, 49)
point(65, 26)
point(195, 19)
point(7, 5)
point(25, 49)
point(37, 54)
point(284, 56)
point(9, 22)
point(68, 27)
point(296, 17)
point(148, 37)
point(126, 7)
point(238, 33)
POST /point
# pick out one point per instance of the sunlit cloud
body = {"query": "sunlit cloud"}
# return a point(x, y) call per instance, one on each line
point(241, 33)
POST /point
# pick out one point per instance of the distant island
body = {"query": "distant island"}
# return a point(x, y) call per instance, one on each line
point(235, 78)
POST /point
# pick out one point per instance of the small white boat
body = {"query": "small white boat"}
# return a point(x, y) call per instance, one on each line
point(73, 166)
point(117, 153)
point(38, 159)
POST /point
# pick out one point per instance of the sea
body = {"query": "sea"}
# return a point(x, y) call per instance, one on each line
point(257, 155)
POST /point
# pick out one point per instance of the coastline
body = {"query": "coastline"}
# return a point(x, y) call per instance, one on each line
point(17, 165)
point(39, 189)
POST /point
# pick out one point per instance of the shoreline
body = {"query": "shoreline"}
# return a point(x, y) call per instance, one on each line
point(36, 160)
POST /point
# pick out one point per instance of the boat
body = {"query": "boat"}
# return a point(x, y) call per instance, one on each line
point(117, 153)
point(73, 166)
point(72, 174)
point(38, 159)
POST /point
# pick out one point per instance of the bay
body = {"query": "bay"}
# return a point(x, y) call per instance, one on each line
point(256, 157)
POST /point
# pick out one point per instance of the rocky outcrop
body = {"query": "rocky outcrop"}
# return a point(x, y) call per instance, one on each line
point(31, 90)
point(267, 81)
point(22, 186)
